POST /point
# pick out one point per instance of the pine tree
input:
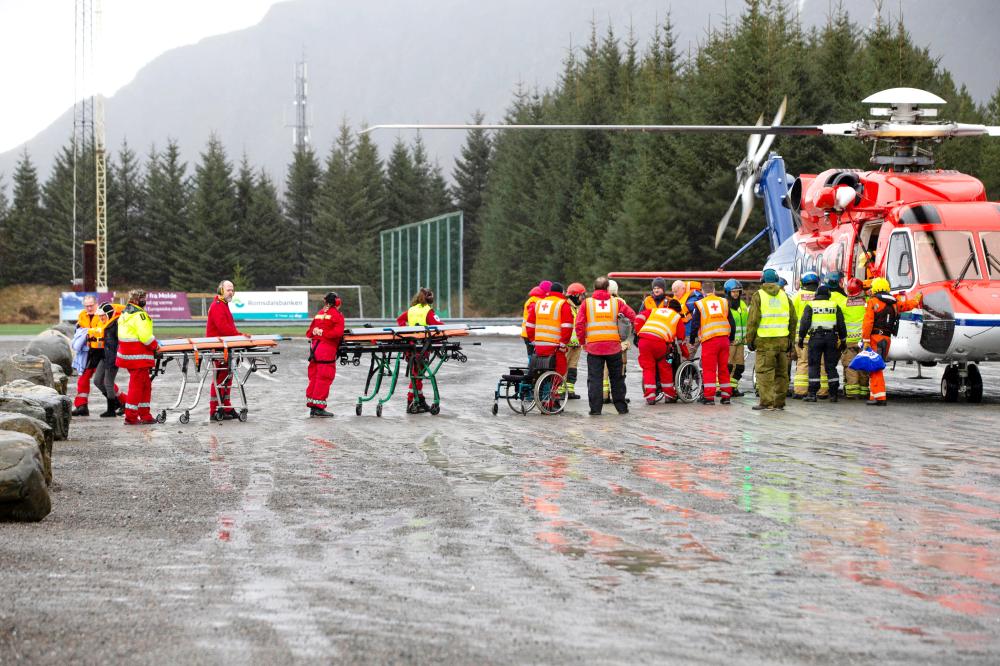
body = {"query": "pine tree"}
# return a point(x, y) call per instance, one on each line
point(4, 232)
point(404, 199)
point(274, 261)
point(333, 257)
point(24, 220)
point(59, 253)
point(168, 212)
point(471, 175)
point(301, 190)
point(129, 234)
point(206, 256)
point(366, 214)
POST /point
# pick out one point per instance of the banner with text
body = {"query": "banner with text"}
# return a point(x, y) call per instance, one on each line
point(270, 305)
point(168, 305)
point(71, 302)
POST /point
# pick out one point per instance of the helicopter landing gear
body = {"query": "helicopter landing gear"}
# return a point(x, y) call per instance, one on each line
point(962, 378)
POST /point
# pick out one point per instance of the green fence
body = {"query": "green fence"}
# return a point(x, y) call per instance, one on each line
point(423, 254)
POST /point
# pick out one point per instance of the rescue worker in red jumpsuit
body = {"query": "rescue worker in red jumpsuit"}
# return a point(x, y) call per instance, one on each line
point(220, 323)
point(712, 323)
point(660, 329)
point(880, 324)
point(550, 326)
point(420, 313)
point(325, 333)
point(136, 348)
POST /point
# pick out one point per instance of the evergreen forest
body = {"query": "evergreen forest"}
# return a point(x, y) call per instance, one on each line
point(565, 206)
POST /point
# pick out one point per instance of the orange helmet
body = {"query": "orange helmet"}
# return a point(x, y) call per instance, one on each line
point(855, 287)
point(575, 288)
point(694, 284)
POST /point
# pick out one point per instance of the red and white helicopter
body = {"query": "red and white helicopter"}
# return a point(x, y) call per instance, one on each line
point(922, 228)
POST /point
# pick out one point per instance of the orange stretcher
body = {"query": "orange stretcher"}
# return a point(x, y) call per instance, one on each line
point(215, 357)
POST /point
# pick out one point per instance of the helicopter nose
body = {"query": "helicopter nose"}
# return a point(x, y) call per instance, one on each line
point(939, 322)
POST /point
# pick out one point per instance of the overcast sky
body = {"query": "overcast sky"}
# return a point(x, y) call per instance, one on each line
point(37, 49)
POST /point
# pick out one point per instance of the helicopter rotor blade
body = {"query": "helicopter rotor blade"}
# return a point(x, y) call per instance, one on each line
point(784, 130)
point(769, 139)
point(724, 222)
point(754, 141)
point(746, 197)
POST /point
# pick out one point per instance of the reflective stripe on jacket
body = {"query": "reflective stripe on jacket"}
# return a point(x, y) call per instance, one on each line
point(602, 320)
point(714, 314)
point(662, 323)
point(775, 313)
point(824, 314)
point(549, 323)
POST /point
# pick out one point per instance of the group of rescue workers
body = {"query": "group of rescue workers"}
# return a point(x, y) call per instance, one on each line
point(820, 327)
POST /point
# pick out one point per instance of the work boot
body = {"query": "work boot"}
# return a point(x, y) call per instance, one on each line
point(834, 397)
point(573, 396)
point(319, 413)
point(876, 403)
point(112, 410)
point(705, 401)
point(796, 396)
point(607, 400)
point(738, 393)
point(761, 408)
point(82, 410)
point(724, 400)
point(809, 398)
point(669, 399)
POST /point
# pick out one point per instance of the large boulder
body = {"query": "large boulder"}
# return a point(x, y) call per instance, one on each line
point(67, 328)
point(60, 382)
point(23, 495)
point(40, 431)
point(35, 369)
point(19, 395)
point(54, 345)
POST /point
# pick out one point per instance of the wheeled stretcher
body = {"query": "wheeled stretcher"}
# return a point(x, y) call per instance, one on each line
point(197, 360)
point(420, 350)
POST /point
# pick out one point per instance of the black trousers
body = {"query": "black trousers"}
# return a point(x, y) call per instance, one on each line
point(595, 381)
point(823, 349)
point(529, 346)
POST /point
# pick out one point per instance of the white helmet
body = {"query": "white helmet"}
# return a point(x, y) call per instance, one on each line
point(612, 287)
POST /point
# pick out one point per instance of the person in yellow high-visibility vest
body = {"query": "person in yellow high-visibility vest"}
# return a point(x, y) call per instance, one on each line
point(420, 313)
point(770, 332)
point(853, 304)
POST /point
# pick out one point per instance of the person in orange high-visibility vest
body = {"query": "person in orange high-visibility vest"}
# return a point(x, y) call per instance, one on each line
point(712, 324)
point(660, 329)
point(597, 328)
point(551, 326)
point(880, 324)
point(536, 294)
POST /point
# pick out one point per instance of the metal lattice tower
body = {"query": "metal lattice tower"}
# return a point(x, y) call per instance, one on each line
point(300, 128)
point(88, 127)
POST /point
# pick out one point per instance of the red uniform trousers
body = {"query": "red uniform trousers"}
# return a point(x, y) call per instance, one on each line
point(224, 378)
point(715, 366)
point(322, 371)
point(140, 390)
point(415, 364)
point(654, 360)
point(561, 364)
point(83, 387)
point(876, 380)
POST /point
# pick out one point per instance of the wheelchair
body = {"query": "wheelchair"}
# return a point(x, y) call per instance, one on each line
point(687, 379)
point(538, 385)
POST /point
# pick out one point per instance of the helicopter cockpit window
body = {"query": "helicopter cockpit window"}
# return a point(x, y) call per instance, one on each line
point(944, 256)
point(899, 263)
point(991, 248)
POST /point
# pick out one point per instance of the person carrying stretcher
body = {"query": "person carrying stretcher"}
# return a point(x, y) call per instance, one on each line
point(220, 323)
point(325, 333)
point(420, 313)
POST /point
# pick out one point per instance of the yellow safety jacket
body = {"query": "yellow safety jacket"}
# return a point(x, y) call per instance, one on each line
point(854, 314)
point(417, 315)
point(824, 314)
point(524, 315)
point(662, 323)
point(775, 312)
point(740, 317)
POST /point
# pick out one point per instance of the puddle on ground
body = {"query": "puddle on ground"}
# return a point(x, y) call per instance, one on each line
point(463, 469)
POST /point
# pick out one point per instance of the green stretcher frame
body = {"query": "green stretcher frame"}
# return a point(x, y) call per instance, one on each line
point(428, 354)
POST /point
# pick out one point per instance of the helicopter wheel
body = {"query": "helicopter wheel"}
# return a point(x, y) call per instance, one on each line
point(951, 382)
point(973, 384)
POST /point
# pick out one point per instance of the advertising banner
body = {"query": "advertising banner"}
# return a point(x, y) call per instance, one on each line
point(168, 305)
point(71, 302)
point(270, 305)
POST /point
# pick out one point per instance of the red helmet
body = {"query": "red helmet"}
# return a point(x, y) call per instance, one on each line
point(855, 287)
point(575, 288)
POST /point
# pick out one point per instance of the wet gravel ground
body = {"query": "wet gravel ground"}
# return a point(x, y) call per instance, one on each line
point(679, 533)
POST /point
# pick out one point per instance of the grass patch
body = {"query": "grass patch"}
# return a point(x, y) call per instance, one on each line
point(22, 329)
